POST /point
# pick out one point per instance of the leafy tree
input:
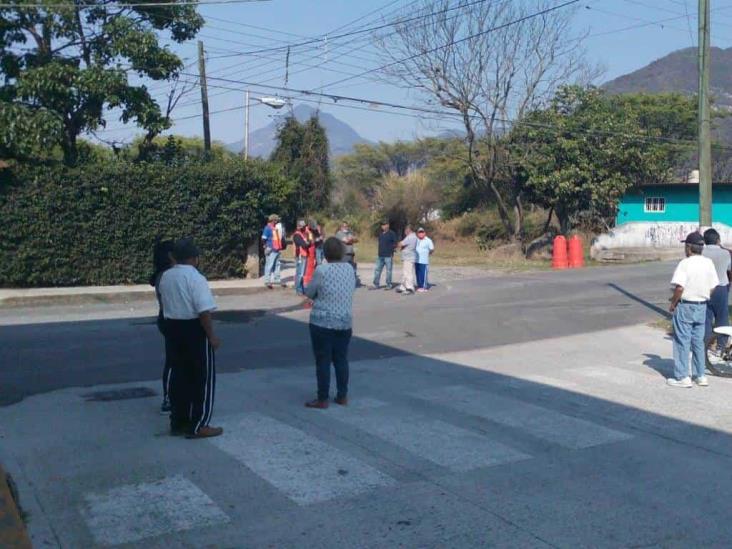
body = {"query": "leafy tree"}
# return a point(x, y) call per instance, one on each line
point(74, 62)
point(302, 151)
point(176, 149)
point(578, 156)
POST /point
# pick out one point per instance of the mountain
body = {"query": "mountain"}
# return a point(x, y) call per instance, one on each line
point(341, 136)
point(678, 72)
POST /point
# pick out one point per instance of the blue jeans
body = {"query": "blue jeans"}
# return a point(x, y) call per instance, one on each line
point(717, 315)
point(300, 265)
point(330, 347)
point(689, 322)
point(272, 267)
point(382, 262)
point(318, 255)
point(421, 269)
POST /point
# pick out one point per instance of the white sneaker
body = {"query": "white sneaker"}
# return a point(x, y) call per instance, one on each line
point(702, 381)
point(685, 383)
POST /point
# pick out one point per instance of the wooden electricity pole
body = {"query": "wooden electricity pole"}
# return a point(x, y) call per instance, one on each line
point(705, 139)
point(204, 98)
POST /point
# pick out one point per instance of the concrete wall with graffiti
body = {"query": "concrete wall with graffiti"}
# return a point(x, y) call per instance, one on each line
point(654, 235)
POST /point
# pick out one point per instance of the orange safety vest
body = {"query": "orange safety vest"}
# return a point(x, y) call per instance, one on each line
point(307, 236)
point(276, 237)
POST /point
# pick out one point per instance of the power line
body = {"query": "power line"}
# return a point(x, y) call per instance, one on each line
point(128, 4)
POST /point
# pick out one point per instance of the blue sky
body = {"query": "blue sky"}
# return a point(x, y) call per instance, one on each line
point(624, 35)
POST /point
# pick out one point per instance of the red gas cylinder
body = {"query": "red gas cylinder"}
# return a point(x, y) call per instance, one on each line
point(559, 253)
point(576, 254)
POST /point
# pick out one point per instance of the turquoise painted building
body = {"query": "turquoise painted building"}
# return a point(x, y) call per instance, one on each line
point(673, 202)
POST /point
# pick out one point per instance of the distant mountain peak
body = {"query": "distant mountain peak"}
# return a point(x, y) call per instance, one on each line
point(341, 136)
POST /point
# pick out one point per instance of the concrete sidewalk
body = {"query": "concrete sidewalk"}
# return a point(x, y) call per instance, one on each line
point(10, 297)
point(568, 442)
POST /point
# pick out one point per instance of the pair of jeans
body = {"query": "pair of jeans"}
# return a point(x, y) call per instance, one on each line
point(300, 264)
point(330, 347)
point(272, 267)
point(421, 270)
point(717, 315)
point(318, 255)
point(382, 262)
point(689, 322)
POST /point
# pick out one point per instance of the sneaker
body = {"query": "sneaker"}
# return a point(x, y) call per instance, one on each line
point(408, 292)
point(715, 356)
point(421, 290)
point(374, 287)
point(320, 404)
point(165, 407)
point(684, 383)
point(389, 287)
point(206, 432)
point(702, 381)
point(341, 401)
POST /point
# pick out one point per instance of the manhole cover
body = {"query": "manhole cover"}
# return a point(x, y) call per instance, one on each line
point(120, 394)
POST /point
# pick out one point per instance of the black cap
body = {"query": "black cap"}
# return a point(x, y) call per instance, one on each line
point(185, 249)
point(694, 238)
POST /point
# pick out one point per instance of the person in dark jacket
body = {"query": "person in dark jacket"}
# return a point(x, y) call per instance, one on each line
point(162, 261)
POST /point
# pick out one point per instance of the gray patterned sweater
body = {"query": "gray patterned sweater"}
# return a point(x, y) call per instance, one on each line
point(331, 290)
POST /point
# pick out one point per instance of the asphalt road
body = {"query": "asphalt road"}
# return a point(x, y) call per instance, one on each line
point(47, 348)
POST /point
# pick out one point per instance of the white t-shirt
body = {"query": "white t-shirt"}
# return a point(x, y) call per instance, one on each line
point(424, 247)
point(697, 276)
point(722, 261)
point(185, 293)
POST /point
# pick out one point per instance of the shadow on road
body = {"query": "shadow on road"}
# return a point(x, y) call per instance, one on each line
point(652, 306)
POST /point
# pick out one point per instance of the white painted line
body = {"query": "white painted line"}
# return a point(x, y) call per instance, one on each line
point(304, 468)
point(447, 445)
point(542, 423)
point(138, 511)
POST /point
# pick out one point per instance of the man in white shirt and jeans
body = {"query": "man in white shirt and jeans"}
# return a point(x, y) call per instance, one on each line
point(694, 279)
point(187, 306)
point(718, 306)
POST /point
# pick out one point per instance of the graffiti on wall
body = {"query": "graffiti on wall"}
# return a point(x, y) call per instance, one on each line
point(654, 235)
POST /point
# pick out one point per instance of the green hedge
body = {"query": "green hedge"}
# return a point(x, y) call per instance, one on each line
point(96, 224)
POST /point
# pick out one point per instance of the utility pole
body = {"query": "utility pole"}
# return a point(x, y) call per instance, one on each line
point(705, 139)
point(246, 126)
point(204, 99)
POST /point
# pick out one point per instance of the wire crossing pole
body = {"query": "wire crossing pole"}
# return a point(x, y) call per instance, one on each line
point(705, 139)
point(204, 99)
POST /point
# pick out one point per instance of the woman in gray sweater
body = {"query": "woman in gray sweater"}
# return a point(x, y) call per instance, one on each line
point(331, 290)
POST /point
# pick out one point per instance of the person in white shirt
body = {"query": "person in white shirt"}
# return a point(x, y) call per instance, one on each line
point(718, 306)
point(187, 304)
point(694, 279)
point(425, 248)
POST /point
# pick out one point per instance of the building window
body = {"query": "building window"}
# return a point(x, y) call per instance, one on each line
point(655, 204)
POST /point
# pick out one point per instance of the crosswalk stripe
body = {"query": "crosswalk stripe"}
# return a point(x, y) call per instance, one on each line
point(134, 512)
point(303, 467)
point(539, 422)
point(442, 443)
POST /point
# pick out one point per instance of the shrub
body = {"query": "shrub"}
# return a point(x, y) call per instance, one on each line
point(96, 223)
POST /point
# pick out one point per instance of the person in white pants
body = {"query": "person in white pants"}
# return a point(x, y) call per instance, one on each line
point(409, 257)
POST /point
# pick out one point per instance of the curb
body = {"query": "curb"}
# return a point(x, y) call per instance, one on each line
point(111, 297)
point(13, 534)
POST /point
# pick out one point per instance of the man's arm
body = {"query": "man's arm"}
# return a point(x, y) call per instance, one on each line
point(675, 298)
point(207, 325)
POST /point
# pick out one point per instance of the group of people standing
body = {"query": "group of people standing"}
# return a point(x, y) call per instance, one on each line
point(699, 303)
point(416, 249)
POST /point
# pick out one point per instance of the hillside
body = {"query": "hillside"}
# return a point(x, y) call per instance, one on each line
point(341, 136)
point(677, 72)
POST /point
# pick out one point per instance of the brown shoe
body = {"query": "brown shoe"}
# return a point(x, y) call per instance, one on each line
point(206, 432)
point(343, 401)
point(320, 404)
